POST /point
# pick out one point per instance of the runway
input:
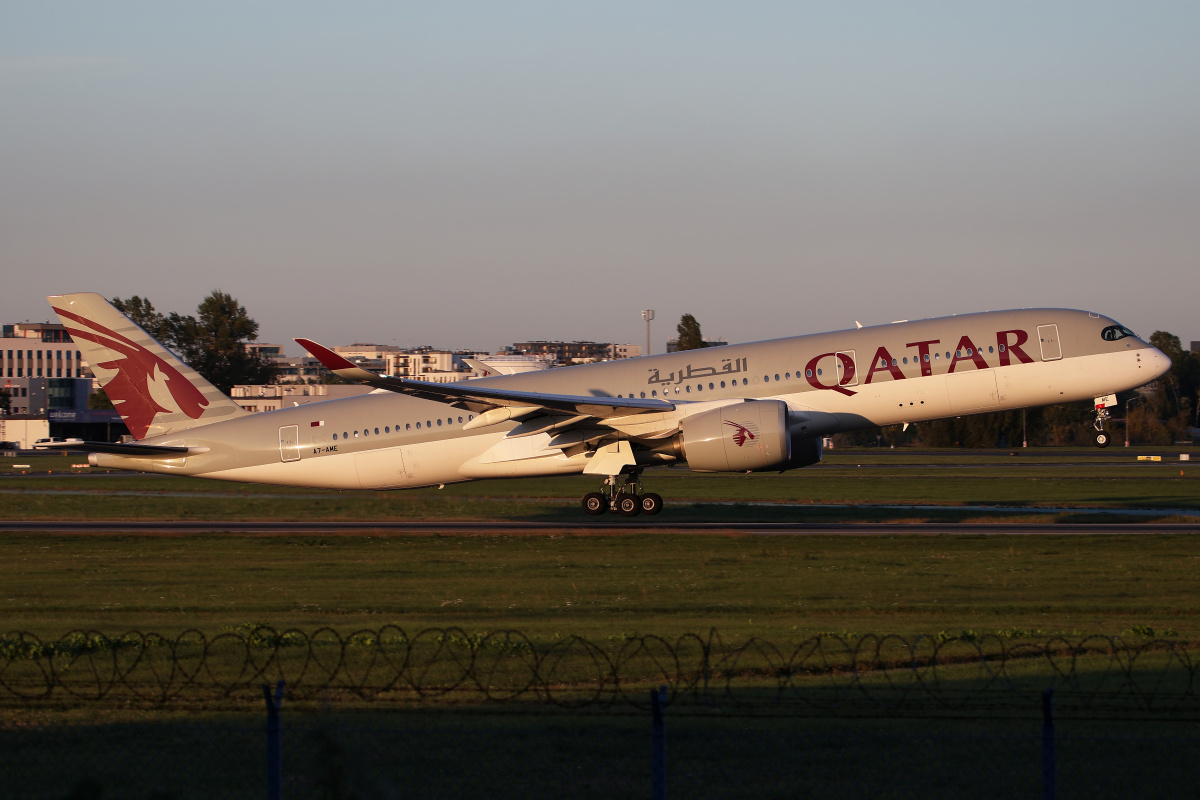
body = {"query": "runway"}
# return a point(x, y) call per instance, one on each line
point(586, 527)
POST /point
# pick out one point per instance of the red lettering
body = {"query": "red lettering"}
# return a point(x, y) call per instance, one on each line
point(882, 355)
point(923, 357)
point(1007, 348)
point(814, 380)
point(971, 352)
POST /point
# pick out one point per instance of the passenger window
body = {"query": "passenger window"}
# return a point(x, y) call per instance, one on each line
point(787, 375)
point(1001, 348)
point(439, 422)
point(818, 370)
point(377, 431)
point(990, 349)
point(710, 386)
point(428, 424)
point(460, 420)
point(418, 426)
point(356, 434)
point(722, 384)
point(654, 393)
point(386, 429)
point(808, 373)
point(926, 358)
point(689, 389)
point(745, 381)
point(408, 426)
point(335, 437)
point(893, 362)
point(776, 377)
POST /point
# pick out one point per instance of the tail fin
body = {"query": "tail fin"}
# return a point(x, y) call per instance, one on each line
point(153, 391)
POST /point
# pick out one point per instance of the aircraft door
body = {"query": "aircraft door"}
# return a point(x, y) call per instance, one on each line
point(289, 443)
point(1051, 350)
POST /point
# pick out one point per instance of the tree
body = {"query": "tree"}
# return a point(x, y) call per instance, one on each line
point(142, 312)
point(690, 337)
point(213, 342)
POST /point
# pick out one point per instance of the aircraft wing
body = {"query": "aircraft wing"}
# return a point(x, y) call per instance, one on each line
point(480, 398)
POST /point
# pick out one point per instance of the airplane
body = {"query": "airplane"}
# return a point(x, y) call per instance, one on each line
point(762, 406)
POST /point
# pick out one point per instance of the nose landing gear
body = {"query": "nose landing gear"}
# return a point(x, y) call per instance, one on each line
point(627, 499)
point(1102, 438)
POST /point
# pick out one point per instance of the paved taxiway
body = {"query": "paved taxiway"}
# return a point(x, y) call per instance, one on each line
point(589, 527)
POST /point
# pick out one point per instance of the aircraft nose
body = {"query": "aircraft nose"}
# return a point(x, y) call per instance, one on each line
point(1160, 362)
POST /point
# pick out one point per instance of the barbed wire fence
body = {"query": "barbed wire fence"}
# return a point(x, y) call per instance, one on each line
point(449, 665)
point(989, 690)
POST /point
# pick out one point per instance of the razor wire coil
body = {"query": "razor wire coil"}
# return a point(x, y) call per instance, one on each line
point(867, 674)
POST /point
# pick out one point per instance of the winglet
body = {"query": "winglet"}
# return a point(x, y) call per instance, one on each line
point(339, 365)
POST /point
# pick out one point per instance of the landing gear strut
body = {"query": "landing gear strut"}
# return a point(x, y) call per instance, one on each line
point(627, 499)
point(1101, 438)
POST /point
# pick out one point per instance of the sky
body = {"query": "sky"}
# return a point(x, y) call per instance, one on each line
point(470, 174)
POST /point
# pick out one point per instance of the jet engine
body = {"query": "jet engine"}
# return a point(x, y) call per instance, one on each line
point(738, 437)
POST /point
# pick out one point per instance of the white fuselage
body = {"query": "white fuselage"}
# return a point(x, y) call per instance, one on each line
point(884, 375)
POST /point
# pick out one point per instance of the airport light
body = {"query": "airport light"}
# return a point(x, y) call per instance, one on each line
point(1127, 402)
point(648, 314)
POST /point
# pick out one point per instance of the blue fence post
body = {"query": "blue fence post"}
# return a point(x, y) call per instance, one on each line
point(658, 745)
point(1048, 765)
point(274, 741)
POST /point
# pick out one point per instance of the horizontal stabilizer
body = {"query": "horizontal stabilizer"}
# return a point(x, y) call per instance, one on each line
point(130, 449)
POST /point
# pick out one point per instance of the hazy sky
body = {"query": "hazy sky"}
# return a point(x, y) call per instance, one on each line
point(472, 174)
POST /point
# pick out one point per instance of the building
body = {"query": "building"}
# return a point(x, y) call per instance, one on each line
point(584, 352)
point(54, 407)
point(39, 350)
point(48, 384)
point(272, 397)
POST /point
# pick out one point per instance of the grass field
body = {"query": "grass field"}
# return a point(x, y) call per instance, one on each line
point(597, 586)
point(607, 587)
point(1045, 486)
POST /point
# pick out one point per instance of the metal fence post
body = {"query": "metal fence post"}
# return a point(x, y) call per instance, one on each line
point(274, 741)
point(1048, 765)
point(658, 745)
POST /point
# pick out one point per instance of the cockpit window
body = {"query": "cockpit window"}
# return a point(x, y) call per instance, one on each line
point(1114, 332)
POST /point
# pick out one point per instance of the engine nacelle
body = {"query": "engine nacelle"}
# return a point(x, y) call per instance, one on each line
point(806, 450)
point(738, 437)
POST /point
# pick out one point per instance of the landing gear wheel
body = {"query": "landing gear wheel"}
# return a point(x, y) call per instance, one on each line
point(595, 503)
point(628, 505)
point(651, 503)
point(1101, 438)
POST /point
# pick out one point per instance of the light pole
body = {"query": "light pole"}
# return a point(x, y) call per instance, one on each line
point(1127, 402)
point(648, 314)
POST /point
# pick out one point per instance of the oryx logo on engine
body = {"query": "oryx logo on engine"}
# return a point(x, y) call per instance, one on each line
point(743, 433)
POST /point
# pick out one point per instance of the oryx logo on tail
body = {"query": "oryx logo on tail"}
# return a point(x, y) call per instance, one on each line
point(145, 385)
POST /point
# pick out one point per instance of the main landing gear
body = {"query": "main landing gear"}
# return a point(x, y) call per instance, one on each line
point(628, 499)
point(1101, 438)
